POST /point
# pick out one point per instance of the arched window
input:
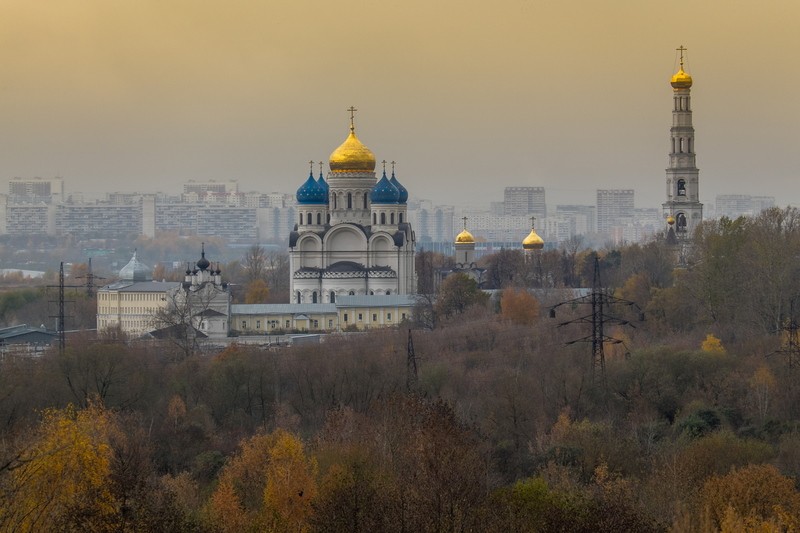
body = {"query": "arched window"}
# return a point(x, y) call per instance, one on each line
point(383, 218)
point(308, 219)
point(681, 187)
point(333, 297)
point(391, 218)
point(319, 219)
point(329, 217)
point(298, 297)
point(374, 218)
point(372, 293)
point(314, 297)
point(334, 200)
point(365, 200)
point(349, 201)
point(301, 218)
point(401, 217)
point(352, 293)
point(681, 223)
point(388, 292)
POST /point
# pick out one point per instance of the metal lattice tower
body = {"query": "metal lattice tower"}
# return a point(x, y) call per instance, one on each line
point(600, 302)
point(411, 365)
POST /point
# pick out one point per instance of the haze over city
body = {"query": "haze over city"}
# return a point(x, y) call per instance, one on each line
point(467, 97)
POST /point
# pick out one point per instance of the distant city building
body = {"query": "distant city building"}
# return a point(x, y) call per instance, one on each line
point(682, 210)
point(614, 209)
point(200, 188)
point(431, 223)
point(585, 217)
point(524, 201)
point(738, 205)
point(36, 189)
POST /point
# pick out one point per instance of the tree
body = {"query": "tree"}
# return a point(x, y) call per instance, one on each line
point(505, 268)
point(62, 481)
point(458, 293)
point(257, 292)
point(519, 307)
point(255, 263)
point(291, 486)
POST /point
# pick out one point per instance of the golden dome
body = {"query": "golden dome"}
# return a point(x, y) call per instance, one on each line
point(533, 241)
point(681, 80)
point(352, 156)
point(670, 220)
point(465, 237)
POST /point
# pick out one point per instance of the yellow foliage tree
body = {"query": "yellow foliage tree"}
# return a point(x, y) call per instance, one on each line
point(712, 345)
point(519, 306)
point(752, 498)
point(291, 484)
point(63, 479)
point(257, 292)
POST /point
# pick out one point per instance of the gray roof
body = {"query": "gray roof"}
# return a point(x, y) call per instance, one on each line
point(23, 329)
point(391, 300)
point(281, 309)
point(142, 286)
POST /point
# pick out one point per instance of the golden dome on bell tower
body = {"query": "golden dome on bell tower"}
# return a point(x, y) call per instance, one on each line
point(533, 241)
point(352, 155)
point(681, 80)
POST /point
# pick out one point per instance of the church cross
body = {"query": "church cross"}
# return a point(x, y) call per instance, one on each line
point(465, 222)
point(311, 166)
point(393, 168)
point(533, 219)
point(681, 49)
point(352, 110)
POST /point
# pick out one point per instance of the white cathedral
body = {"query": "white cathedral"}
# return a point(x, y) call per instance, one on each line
point(352, 237)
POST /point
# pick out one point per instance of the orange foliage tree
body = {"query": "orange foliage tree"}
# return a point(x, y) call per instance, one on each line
point(519, 306)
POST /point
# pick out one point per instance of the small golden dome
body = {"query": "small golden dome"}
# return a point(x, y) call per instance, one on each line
point(670, 220)
point(465, 237)
point(533, 241)
point(352, 156)
point(681, 80)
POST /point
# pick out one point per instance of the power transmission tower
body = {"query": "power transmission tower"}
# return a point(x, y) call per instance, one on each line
point(90, 277)
point(411, 365)
point(600, 302)
point(790, 347)
point(61, 316)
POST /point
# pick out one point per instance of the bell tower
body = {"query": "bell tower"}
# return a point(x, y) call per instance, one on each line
point(682, 209)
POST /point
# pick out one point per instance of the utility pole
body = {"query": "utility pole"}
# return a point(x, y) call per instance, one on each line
point(411, 365)
point(61, 316)
point(600, 302)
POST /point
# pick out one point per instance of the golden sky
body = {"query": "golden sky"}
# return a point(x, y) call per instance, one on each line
point(467, 96)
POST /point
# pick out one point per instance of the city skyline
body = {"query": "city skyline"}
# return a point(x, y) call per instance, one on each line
point(467, 98)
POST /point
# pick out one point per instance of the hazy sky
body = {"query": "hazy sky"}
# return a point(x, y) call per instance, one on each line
point(467, 96)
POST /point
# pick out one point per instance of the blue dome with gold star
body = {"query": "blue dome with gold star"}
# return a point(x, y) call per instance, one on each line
point(311, 192)
point(384, 192)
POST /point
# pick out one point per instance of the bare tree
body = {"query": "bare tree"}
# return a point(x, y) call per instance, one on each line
point(255, 263)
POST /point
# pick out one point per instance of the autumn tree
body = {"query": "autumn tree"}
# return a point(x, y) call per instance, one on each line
point(62, 480)
point(257, 292)
point(255, 263)
point(505, 268)
point(458, 293)
point(519, 307)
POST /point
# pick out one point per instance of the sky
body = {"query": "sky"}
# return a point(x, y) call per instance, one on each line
point(468, 96)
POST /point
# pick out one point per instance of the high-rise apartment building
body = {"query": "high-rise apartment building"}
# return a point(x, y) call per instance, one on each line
point(614, 209)
point(36, 189)
point(523, 201)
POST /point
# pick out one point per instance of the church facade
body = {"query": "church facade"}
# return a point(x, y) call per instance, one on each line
point(352, 236)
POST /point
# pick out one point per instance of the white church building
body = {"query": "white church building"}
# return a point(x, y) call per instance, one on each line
point(352, 236)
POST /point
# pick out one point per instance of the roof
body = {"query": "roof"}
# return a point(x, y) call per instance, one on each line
point(21, 330)
point(142, 286)
point(281, 309)
point(392, 300)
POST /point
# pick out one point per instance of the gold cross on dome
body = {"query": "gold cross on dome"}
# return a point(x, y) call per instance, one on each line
point(352, 111)
point(681, 49)
point(393, 163)
point(311, 165)
point(533, 220)
point(465, 222)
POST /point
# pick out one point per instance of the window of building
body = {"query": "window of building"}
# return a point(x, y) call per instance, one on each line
point(403, 316)
point(352, 293)
point(681, 187)
point(308, 219)
point(319, 219)
point(316, 324)
point(365, 200)
point(388, 316)
point(383, 218)
point(244, 324)
point(401, 217)
point(349, 201)
point(333, 297)
point(345, 317)
point(330, 324)
point(360, 317)
point(258, 324)
point(391, 218)
point(374, 218)
point(288, 324)
point(298, 296)
point(374, 317)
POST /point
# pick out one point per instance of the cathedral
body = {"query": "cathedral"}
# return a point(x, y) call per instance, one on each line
point(352, 235)
point(682, 210)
